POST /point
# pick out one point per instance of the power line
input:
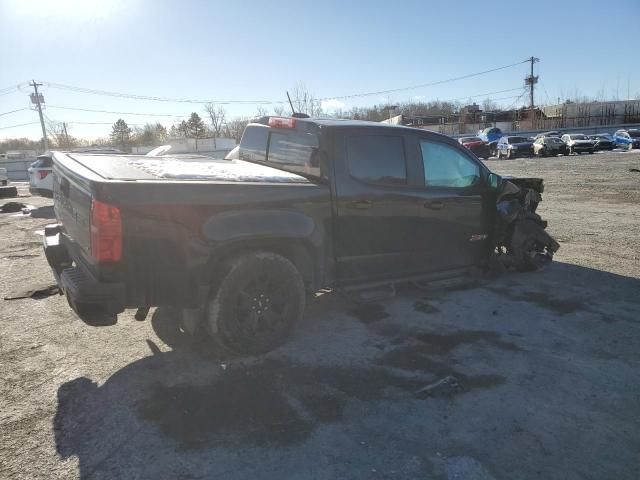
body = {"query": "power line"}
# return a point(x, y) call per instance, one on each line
point(103, 123)
point(91, 91)
point(485, 94)
point(187, 114)
point(518, 98)
point(14, 111)
point(12, 88)
point(19, 125)
point(431, 84)
point(119, 113)
point(156, 99)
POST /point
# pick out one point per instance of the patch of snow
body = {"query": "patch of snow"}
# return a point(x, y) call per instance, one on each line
point(212, 169)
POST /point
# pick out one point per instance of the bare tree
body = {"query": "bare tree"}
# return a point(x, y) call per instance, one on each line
point(217, 115)
point(489, 105)
point(59, 132)
point(278, 110)
point(261, 111)
point(235, 128)
point(304, 101)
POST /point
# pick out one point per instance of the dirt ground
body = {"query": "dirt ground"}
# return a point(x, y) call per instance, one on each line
point(547, 368)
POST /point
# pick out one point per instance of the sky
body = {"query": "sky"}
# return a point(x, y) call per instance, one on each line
point(257, 50)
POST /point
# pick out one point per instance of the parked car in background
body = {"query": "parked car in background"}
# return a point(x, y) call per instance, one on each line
point(41, 176)
point(4, 178)
point(491, 136)
point(476, 145)
point(578, 143)
point(513, 146)
point(627, 138)
point(602, 142)
point(552, 133)
point(549, 146)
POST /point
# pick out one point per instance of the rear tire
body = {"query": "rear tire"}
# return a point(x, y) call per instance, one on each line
point(258, 303)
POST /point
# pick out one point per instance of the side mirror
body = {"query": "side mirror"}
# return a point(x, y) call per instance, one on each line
point(493, 180)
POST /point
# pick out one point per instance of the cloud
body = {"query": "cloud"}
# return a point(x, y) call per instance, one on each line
point(332, 105)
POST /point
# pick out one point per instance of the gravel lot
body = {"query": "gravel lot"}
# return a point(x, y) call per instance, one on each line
point(547, 366)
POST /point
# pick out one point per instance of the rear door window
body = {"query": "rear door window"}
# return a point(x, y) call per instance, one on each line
point(253, 145)
point(445, 166)
point(378, 159)
point(292, 148)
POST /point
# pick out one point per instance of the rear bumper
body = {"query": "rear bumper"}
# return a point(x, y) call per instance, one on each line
point(95, 302)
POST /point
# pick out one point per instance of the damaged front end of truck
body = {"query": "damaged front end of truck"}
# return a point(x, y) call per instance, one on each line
point(520, 239)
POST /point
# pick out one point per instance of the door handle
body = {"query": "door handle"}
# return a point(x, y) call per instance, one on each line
point(434, 205)
point(360, 204)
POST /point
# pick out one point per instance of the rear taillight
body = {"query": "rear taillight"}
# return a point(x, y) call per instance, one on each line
point(282, 122)
point(43, 173)
point(106, 232)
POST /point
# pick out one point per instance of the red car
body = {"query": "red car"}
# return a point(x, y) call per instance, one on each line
point(476, 145)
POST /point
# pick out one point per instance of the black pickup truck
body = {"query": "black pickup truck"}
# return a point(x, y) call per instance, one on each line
point(237, 244)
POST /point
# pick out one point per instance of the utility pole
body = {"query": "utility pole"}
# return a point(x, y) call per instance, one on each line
point(35, 98)
point(531, 80)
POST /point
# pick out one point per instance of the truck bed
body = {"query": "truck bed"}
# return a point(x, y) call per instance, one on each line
point(174, 210)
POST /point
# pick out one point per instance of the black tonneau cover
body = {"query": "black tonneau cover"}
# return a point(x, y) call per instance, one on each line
point(176, 167)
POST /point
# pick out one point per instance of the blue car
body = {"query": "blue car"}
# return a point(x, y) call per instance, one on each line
point(513, 146)
point(491, 136)
point(627, 138)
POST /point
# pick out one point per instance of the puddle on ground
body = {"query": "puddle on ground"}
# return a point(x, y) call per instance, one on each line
point(280, 403)
point(276, 403)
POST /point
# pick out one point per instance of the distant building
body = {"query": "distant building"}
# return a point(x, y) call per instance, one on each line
point(595, 116)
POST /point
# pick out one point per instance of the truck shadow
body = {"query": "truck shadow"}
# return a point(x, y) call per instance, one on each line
point(194, 402)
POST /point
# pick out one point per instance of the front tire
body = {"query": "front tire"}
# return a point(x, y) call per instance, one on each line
point(258, 303)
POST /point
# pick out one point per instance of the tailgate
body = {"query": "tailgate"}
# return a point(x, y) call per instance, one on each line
point(72, 204)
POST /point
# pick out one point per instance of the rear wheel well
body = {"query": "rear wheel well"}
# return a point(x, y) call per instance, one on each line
point(297, 252)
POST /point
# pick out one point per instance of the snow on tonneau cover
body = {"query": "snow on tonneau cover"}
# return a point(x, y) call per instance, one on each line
point(176, 168)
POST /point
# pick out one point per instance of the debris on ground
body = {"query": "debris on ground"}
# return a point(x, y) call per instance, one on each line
point(35, 292)
point(12, 207)
point(444, 387)
point(6, 192)
point(634, 170)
